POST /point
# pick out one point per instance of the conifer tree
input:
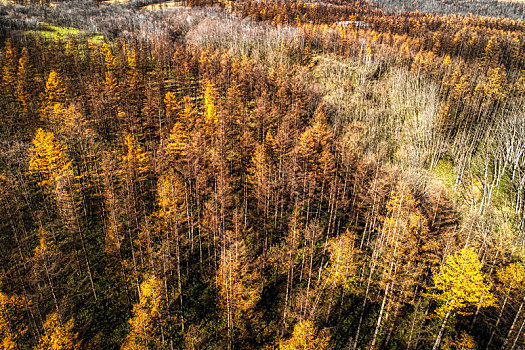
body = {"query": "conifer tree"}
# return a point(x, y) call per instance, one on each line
point(9, 69)
point(58, 336)
point(12, 327)
point(459, 285)
point(48, 159)
point(306, 337)
point(147, 325)
point(24, 77)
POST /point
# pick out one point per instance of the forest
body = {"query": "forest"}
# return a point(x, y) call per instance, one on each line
point(274, 175)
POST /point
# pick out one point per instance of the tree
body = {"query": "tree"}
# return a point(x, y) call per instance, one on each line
point(210, 109)
point(149, 318)
point(316, 162)
point(55, 91)
point(343, 260)
point(402, 252)
point(463, 341)
point(109, 63)
point(12, 327)
point(24, 81)
point(306, 337)
point(48, 159)
point(459, 285)
point(171, 192)
point(58, 336)
point(179, 138)
point(238, 285)
point(172, 106)
point(511, 280)
point(9, 68)
point(135, 159)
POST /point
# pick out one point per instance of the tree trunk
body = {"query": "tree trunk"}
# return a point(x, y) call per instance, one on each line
point(441, 331)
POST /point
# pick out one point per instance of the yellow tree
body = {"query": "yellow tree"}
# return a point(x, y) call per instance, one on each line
point(136, 159)
point(210, 109)
point(9, 68)
point(172, 105)
point(12, 329)
point(171, 191)
point(48, 159)
point(54, 98)
point(109, 63)
point(463, 341)
point(343, 260)
point(459, 285)
point(239, 289)
point(493, 86)
point(306, 337)
point(58, 336)
point(316, 162)
point(511, 280)
point(55, 92)
point(149, 318)
point(24, 79)
point(262, 173)
point(402, 251)
point(178, 140)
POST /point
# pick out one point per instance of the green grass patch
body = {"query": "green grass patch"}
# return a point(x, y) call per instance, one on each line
point(444, 171)
point(56, 33)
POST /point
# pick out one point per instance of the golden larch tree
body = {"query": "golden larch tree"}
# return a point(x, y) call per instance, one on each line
point(12, 328)
point(9, 68)
point(459, 285)
point(48, 158)
point(24, 78)
point(306, 337)
point(58, 336)
point(149, 318)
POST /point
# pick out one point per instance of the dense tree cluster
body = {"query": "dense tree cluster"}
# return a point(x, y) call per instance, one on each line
point(287, 180)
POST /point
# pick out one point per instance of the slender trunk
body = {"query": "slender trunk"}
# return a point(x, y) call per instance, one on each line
point(518, 335)
point(380, 317)
point(511, 330)
point(497, 323)
point(441, 331)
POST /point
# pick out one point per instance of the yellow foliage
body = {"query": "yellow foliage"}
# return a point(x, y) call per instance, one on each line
point(270, 148)
point(239, 291)
point(136, 159)
point(178, 140)
point(343, 264)
point(306, 337)
point(171, 104)
point(48, 158)
point(57, 336)
point(11, 328)
point(55, 92)
point(9, 67)
point(210, 112)
point(462, 342)
point(461, 284)
point(462, 85)
point(172, 196)
point(109, 59)
point(404, 248)
point(187, 114)
point(512, 277)
point(24, 68)
point(493, 86)
point(149, 315)
point(314, 149)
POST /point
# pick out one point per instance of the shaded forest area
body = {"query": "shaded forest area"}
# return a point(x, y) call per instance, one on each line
point(260, 175)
